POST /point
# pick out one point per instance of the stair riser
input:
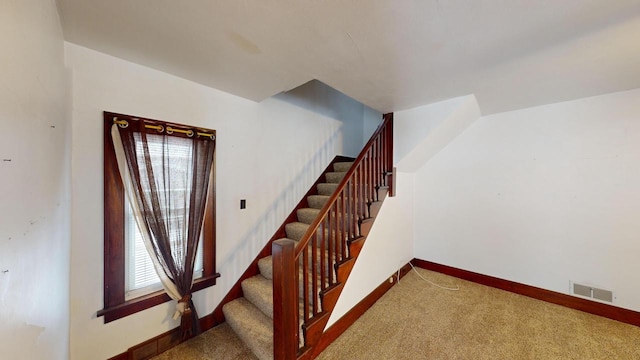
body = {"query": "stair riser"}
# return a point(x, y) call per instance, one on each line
point(317, 201)
point(251, 326)
point(259, 293)
point(334, 177)
point(307, 216)
point(266, 267)
point(326, 188)
point(342, 166)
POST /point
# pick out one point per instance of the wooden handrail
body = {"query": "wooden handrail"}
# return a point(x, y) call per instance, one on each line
point(387, 119)
point(311, 271)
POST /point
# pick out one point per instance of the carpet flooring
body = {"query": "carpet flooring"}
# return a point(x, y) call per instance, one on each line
point(416, 320)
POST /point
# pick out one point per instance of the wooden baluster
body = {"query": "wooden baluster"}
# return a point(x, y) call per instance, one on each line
point(345, 233)
point(330, 243)
point(370, 178)
point(378, 164)
point(358, 199)
point(305, 284)
point(365, 186)
point(338, 228)
point(353, 211)
point(323, 258)
point(383, 137)
point(389, 128)
point(375, 166)
point(357, 202)
point(314, 274)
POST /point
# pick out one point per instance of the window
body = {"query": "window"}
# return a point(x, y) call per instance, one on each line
point(141, 278)
point(130, 282)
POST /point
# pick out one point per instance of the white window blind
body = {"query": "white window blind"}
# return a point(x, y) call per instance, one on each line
point(140, 276)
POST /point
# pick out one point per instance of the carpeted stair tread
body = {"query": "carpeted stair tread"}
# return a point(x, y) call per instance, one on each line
point(327, 188)
point(259, 291)
point(307, 215)
point(317, 201)
point(334, 177)
point(342, 166)
point(266, 266)
point(252, 326)
point(295, 230)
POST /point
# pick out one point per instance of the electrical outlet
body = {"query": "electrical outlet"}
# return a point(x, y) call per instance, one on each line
point(243, 204)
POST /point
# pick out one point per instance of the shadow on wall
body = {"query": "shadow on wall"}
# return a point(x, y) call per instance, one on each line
point(319, 98)
point(254, 239)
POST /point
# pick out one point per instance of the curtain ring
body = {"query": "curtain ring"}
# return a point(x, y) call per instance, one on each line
point(189, 133)
point(121, 123)
point(161, 129)
point(169, 130)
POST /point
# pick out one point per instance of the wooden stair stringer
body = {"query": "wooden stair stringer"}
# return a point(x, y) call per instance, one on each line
point(252, 270)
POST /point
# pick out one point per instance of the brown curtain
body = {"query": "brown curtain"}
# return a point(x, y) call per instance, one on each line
point(170, 178)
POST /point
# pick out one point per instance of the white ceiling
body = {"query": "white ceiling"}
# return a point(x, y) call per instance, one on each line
point(390, 55)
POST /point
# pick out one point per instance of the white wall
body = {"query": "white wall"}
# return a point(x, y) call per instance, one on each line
point(34, 178)
point(540, 196)
point(268, 153)
point(371, 120)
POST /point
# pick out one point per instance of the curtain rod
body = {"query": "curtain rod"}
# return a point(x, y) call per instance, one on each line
point(123, 124)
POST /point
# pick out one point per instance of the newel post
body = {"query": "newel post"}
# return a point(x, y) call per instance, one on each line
point(285, 300)
point(389, 144)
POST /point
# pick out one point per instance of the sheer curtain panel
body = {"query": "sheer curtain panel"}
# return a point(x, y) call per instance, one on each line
point(166, 173)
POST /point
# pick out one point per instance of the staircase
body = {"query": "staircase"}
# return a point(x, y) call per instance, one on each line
point(310, 264)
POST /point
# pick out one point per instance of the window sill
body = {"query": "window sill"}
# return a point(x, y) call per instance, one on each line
point(150, 300)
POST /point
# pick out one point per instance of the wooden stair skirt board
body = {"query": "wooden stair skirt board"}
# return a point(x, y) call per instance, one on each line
point(342, 324)
point(605, 310)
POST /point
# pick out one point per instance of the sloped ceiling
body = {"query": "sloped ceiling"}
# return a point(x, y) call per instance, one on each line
point(390, 55)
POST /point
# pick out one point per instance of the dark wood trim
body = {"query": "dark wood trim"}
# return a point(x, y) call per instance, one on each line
point(114, 220)
point(150, 300)
point(588, 306)
point(390, 165)
point(115, 307)
point(285, 321)
point(252, 270)
point(163, 342)
point(352, 315)
point(123, 356)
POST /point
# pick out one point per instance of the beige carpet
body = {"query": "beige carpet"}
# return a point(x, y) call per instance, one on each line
point(416, 320)
point(218, 343)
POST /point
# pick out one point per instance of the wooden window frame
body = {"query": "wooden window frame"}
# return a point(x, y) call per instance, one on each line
point(115, 306)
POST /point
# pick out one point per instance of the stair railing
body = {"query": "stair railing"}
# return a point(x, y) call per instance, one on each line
point(304, 273)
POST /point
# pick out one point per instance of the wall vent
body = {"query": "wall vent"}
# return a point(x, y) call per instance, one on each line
point(591, 292)
point(582, 290)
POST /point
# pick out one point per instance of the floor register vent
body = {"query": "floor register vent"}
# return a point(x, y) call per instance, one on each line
point(591, 292)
